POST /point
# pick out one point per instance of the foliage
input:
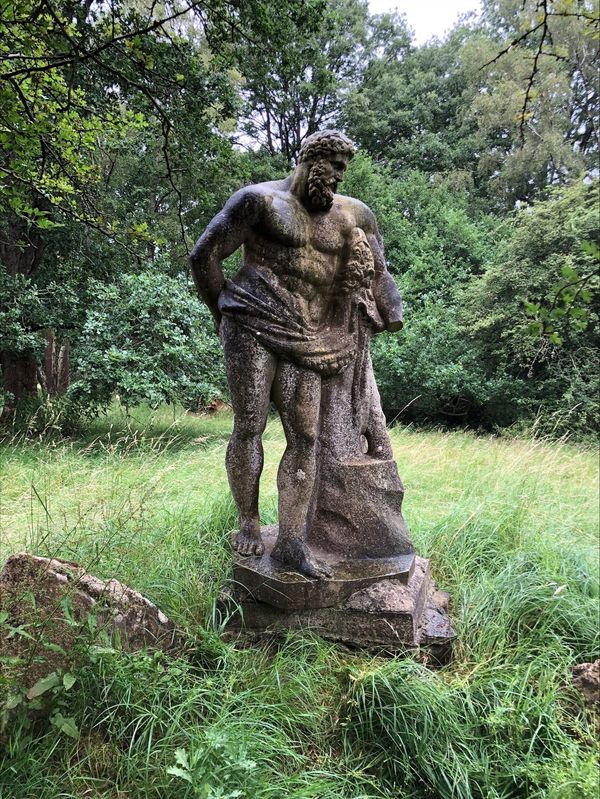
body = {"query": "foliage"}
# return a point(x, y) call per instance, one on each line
point(474, 108)
point(147, 338)
point(500, 316)
point(535, 97)
point(75, 75)
point(434, 249)
point(542, 264)
point(561, 31)
point(300, 86)
point(427, 373)
point(113, 116)
point(432, 243)
point(124, 117)
point(407, 109)
point(48, 130)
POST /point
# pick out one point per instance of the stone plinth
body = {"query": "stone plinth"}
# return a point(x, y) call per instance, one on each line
point(392, 605)
point(359, 508)
point(266, 580)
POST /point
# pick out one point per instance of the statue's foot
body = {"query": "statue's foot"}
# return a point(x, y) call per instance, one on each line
point(248, 541)
point(294, 553)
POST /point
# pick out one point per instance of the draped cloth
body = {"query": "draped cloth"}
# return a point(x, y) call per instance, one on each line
point(259, 303)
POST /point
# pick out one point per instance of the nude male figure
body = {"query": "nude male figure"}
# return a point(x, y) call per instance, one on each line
point(276, 319)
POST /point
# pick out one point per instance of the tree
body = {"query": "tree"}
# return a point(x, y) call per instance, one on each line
point(539, 28)
point(79, 79)
point(300, 86)
point(434, 250)
point(550, 369)
point(536, 103)
point(505, 107)
point(148, 339)
point(406, 111)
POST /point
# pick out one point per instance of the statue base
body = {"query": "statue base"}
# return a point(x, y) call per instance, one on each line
point(384, 605)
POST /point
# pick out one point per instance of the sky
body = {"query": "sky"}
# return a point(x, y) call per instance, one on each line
point(426, 17)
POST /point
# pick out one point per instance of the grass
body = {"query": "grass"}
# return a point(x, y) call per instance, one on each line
point(511, 528)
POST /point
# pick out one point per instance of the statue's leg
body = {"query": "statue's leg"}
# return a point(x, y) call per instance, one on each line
point(250, 372)
point(297, 394)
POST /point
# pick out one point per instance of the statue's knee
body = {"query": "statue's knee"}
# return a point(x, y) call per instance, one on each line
point(307, 437)
point(248, 430)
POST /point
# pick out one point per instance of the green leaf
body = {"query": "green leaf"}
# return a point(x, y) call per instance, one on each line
point(54, 647)
point(569, 273)
point(69, 681)
point(179, 772)
point(591, 248)
point(20, 631)
point(66, 604)
point(43, 685)
point(532, 308)
point(181, 757)
point(13, 701)
point(66, 725)
point(92, 623)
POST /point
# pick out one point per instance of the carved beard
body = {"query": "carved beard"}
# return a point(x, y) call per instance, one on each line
point(320, 193)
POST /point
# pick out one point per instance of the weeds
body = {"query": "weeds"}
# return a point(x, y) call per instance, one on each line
point(510, 527)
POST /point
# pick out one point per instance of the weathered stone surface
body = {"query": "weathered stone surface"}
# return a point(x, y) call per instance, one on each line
point(359, 509)
point(52, 601)
point(586, 678)
point(296, 323)
point(387, 615)
point(267, 580)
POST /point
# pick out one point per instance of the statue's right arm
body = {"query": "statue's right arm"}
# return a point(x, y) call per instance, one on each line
point(224, 234)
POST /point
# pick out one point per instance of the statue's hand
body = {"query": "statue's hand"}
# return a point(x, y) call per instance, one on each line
point(394, 325)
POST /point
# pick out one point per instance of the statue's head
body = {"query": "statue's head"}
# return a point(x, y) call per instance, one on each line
point(325, 155)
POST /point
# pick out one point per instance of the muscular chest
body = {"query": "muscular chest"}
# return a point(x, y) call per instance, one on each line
point(289, 224)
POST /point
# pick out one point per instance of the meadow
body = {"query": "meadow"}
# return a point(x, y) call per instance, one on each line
point(511, 528)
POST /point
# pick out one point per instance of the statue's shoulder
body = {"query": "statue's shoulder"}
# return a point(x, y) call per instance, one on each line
point(254, 196)
point(361, 214)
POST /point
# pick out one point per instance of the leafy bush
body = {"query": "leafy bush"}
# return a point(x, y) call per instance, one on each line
point(500, 316)
point(542, 270)
point(148, 339)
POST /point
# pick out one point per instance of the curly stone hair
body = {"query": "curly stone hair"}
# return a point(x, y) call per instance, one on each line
point(323, 143)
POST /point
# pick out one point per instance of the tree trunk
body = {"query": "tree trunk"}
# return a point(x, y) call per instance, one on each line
point(56, 365)
point(19, 377)
point(21, 252)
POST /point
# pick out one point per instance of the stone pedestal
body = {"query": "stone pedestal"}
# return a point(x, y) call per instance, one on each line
point(381, 604)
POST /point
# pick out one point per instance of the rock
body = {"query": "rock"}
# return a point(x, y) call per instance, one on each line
point(51, 609)
point(359, 509)
point(586, 678)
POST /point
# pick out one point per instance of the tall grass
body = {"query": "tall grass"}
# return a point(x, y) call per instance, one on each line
point(510, 526)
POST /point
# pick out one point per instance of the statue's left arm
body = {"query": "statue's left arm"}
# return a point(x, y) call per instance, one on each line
point(384, 288)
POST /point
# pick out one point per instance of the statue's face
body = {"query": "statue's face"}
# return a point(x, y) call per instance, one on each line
point(334, 169)
point(323, 178)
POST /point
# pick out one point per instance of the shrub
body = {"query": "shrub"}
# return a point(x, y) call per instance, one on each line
point(148, 339)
